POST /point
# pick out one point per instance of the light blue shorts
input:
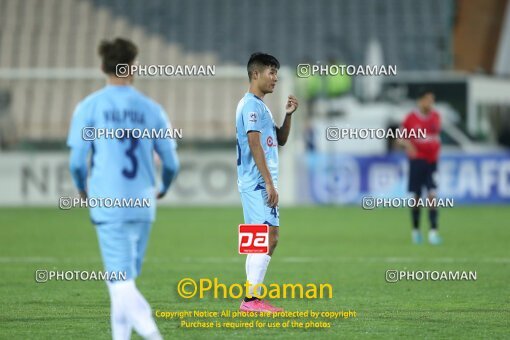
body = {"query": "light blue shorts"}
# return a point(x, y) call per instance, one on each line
point(123, 246)
point(256, 210)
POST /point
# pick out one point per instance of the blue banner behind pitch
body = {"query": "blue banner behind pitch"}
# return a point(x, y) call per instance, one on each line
point(345, 179)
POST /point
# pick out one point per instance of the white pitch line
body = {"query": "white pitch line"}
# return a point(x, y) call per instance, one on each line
point(240, 259)
point(27, 259)
point(395, 260)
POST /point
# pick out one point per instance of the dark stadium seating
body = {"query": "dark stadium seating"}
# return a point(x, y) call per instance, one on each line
point(64, 34)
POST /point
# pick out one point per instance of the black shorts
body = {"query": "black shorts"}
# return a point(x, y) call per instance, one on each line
point(421, 174)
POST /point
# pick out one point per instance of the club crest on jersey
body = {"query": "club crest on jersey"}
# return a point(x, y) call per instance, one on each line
point(270, 141)
point(253, 117)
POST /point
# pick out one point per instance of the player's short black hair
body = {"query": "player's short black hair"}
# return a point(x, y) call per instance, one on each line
point(423, 91)
point(260, 60)
point(118, 51)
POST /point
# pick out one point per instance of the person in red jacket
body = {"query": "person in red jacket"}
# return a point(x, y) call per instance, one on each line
point(423, 153)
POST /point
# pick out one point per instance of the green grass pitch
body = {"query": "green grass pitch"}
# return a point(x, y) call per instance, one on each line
point(347, 247)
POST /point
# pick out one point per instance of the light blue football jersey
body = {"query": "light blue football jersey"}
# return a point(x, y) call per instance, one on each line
point(253, 115)
point(121, 168)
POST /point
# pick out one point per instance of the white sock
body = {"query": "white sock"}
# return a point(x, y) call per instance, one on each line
point(121, 328)
point(256, 267)
point(136, 309)
point(247, 265)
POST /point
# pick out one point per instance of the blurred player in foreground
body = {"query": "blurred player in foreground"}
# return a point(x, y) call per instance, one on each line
point(423, 155)
point(258, 138)
point(122, 169)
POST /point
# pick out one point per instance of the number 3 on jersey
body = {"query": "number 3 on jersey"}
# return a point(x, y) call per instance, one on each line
point(130, 153)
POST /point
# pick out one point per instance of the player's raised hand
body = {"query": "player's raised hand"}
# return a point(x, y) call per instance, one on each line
point(292, 105)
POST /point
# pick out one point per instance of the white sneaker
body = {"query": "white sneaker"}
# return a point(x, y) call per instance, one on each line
point(434, 238)
point(417, 237)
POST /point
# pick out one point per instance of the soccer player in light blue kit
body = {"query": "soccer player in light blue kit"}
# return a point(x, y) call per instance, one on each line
point(258, 138)
point(122, 169)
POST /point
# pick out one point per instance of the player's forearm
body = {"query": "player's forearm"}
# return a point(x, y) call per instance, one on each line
point(171, 168)
point(260, 160)
point(79, 176)
point(78, 168)
point(409, 147)
point(282, 134)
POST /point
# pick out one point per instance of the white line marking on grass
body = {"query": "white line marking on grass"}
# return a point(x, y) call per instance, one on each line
point(394, 260)
point(4, 259)
point(341, 260)
point(239, 259)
